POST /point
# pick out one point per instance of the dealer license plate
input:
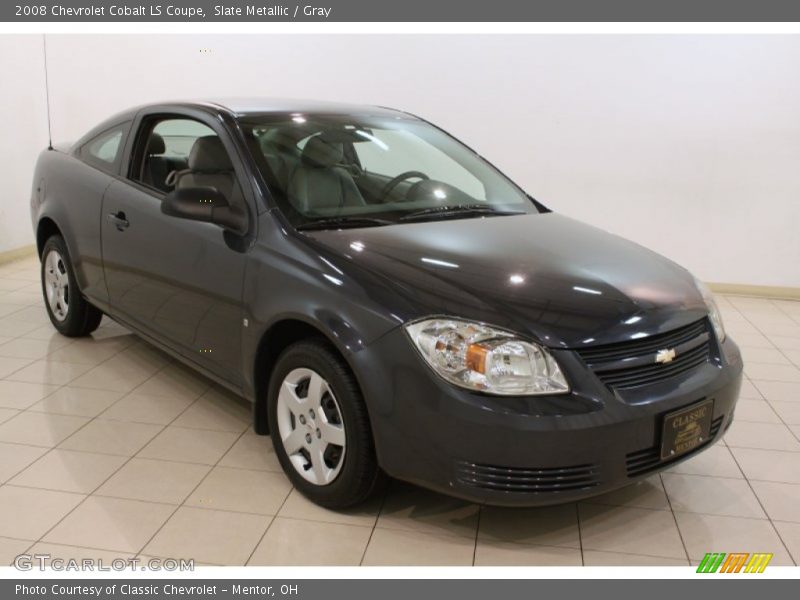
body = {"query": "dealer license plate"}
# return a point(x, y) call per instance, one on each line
point(686, 429)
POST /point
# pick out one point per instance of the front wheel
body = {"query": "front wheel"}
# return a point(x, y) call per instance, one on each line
point(68, 310)
point(320, 428)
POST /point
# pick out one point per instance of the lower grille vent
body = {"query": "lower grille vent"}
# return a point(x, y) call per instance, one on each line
point(528, 480)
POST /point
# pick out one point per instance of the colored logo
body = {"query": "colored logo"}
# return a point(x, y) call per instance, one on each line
point(735, 562)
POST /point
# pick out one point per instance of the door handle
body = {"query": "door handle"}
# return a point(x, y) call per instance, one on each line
point(118, 220)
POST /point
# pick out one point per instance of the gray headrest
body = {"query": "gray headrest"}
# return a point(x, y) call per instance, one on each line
point(322, 153)
point(208, 154)
point(155, 145)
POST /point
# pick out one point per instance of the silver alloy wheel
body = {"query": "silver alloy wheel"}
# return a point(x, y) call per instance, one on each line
point(311, 427)
point(56, 284)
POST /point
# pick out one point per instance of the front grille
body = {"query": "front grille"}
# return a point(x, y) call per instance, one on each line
point(642, 462)
point(530, 480)
point(632, 364)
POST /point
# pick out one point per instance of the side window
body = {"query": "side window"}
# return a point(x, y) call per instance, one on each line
point(103, 151)
point(174, 152)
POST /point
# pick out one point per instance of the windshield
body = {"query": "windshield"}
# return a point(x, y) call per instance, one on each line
point(340, 171)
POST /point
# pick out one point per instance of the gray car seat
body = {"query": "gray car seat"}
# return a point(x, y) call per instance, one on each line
point(209, 166)
point(319, 181)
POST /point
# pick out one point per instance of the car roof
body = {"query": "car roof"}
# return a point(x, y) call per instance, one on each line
point(244, 107)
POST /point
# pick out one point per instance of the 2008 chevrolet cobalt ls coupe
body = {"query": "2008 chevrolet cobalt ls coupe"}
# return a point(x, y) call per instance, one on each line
point(388, 301)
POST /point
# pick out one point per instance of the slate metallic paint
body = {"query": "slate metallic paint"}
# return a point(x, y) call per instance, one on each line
point(358, 286)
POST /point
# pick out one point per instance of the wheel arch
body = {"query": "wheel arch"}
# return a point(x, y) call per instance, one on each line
point(45, 229)
point(273, 341)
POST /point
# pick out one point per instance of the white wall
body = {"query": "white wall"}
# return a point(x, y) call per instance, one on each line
point(687, 144)
point(23, 133)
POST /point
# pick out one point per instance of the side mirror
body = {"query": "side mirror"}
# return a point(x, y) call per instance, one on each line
point(205, 204)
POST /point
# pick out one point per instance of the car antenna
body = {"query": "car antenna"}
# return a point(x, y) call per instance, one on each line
point(47, 92)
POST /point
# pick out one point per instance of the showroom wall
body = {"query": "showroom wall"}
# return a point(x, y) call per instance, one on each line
point(23, 106)
point(689, 145)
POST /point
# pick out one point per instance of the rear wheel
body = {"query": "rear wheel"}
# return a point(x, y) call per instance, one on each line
point(68, 310)
point(319, 426)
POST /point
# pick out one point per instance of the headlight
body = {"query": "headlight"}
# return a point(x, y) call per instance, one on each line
point(713, 310)
point(480, 358)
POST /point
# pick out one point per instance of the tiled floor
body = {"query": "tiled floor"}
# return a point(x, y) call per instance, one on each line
point(109, 448)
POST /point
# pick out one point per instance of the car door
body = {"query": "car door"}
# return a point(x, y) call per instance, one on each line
point(179, 281)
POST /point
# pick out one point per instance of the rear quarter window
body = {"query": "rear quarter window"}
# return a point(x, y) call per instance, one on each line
point(105, 149)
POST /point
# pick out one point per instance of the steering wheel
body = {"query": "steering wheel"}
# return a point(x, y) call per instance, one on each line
point(390, 185)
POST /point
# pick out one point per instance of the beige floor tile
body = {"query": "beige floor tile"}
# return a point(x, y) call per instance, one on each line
point(793, 356)
point(79, 402)
point(502, 554)
point(123, 372)
point(763, 355)
point(9, 366)
point(189, 445)
point(68, 471)
point(790, 534)
point(32, 314)
point(15, 457)
point(144, 408)
point(252, 451)
point(648, 493)
point(550, 525)
point(110, 524)
point(19, 395)
point(714, 533)
point(28, 513)
point(716, 461)
point(10, 549)
point(785, 342)
point(4, 339)
point(762, 436)
point(112, 437)
point(7, 414)
point(391, 547)
point(598, 558)
point(308, 543)
point(31, 349)
point(175, 380)
point(154, 481)
point(768, 465)
point(414, 509)
point(218, 412)
point(749, 391)
point(9, 327)
point(630, 530)
point(780, 500)
point(712, 495)
point(756, 411)
point(91, 351)
point(49, 372)
point(214, 536)
point(39, 429)
point(780, 391)
point(260, 492)
point(67, 553)
point(789, 412)
point(769, 372)
point(298, 506)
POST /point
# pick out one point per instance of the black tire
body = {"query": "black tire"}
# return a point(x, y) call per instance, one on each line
point(359, 476)
point(80, 318)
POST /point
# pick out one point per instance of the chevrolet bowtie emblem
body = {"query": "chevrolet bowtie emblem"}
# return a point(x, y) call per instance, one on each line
point(665, 356)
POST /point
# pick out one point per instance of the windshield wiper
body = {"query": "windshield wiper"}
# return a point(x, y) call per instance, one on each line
point(457, 211)
point(343, 222)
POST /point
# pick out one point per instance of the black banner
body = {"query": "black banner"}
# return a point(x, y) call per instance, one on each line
point(401, 11)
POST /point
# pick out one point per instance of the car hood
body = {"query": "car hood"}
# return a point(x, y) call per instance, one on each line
point(558, 280)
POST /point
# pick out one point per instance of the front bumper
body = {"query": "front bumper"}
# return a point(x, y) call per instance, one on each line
point(529, 451)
